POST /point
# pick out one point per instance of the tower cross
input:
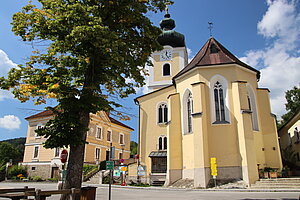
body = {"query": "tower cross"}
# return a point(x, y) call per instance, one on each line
point(167, 6)
point(210, 27)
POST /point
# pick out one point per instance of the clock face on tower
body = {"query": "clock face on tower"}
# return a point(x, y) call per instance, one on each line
point(166, 54)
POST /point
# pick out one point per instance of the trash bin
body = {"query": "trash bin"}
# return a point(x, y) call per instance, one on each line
point(88, 193)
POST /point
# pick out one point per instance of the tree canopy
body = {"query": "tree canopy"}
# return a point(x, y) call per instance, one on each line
point(86, 51)
point(8, 151)
point(292, 97)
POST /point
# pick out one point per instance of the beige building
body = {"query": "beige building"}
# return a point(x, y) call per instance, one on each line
point(210, 107)
point(103, 130)
point(289, 135)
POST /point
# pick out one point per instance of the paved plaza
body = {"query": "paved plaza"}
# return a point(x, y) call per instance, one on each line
point(127, 193)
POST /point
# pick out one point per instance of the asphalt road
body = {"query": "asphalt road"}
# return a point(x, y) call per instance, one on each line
point(167, 194)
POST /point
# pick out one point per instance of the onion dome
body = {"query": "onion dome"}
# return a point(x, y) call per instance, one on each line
point(168, 35)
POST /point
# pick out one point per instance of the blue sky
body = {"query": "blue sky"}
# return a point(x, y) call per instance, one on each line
point(263, 33)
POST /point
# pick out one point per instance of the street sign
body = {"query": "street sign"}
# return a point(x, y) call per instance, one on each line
point(64, 156)
point(109, 165)
point(141, 171)
point(123, 169)
point(213, 166)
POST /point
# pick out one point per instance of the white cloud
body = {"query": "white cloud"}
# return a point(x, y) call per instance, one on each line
point(5, 65)
point(280, 58)
point(190, 54)
point(10, 122)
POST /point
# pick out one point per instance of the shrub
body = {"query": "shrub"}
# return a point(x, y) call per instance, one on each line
point(88, 168)
point(16, 170)
point(103, 165)
point(37, 178)
point(53, 179)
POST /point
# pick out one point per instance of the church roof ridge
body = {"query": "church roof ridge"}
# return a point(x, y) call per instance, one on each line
point(214, 53)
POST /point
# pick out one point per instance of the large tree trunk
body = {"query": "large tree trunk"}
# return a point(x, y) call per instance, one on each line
point(75, 161)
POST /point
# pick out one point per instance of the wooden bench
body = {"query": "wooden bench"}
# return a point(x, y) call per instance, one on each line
point(17, 194)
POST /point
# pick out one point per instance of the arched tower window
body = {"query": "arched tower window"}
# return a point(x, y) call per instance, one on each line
point(187, 110)
point(219, 100)
point(162, 113)
point(166, 69)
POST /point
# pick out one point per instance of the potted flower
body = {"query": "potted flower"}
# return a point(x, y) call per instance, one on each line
point(273, 173)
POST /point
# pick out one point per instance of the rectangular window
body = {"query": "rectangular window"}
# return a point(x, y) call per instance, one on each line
point(121, 138)
point(97, 154)
point(99, 133)
point(36, 152)
point(120, 156)
point(109, 136)
point(56, 154)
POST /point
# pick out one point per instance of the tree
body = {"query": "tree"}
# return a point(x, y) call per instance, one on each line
point(293, 103)
point(92, 48)
point(7, 152)
point(133, 148)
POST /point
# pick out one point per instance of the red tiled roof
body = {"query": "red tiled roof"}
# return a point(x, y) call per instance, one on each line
point(50, 112)
point(41, 114)
point(214, 53)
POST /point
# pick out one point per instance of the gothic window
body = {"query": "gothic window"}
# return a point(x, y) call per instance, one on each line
point(162, 113)
point(296, 132)
point(189, 112)
point(252, 108)
point(219, 103)
point(166, 69)
point(162, 143)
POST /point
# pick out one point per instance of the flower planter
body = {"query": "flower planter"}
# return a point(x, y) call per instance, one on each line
point(273, 174)
point(266, 174)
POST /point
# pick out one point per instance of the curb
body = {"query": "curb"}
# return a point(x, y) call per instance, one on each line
point(190, 189)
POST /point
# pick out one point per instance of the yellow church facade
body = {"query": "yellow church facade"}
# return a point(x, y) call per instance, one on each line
point(209, 108)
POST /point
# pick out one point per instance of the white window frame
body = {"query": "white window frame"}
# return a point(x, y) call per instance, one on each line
point(37, 127)
point(38, 151)
point(162, 143)
point(164, 121)
point(55, 152)
point(120, 138)
point(97, 156)
point(223, 81)
point(109, 130)
point(162, 69)
point(97, 132)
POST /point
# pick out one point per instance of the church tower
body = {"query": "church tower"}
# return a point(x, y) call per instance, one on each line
point(169, 61)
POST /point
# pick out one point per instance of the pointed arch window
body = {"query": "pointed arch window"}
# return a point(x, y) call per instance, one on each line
point(189, 112)
point(166, 69)
point(219, 103)
point(162, 113)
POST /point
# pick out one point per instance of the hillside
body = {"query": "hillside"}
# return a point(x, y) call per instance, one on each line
point(18, 143)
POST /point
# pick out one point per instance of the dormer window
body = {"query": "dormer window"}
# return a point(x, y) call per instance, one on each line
point(214, 49)
point(166, 69)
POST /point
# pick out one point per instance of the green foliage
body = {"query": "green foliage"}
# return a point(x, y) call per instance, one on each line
point(293, 104)
point(92, 49)
point(8, 151)
point(133, 148)
point(56, 179)
point(36, 178)
point(88, 168)
point(289, 158)
point(15, 170)
point(18, 143)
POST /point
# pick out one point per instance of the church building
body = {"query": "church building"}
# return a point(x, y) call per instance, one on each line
point(208, 108)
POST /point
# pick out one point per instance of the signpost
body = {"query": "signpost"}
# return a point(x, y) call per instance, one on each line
point(110, 167)
point(63, 159)
point(213, 168)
